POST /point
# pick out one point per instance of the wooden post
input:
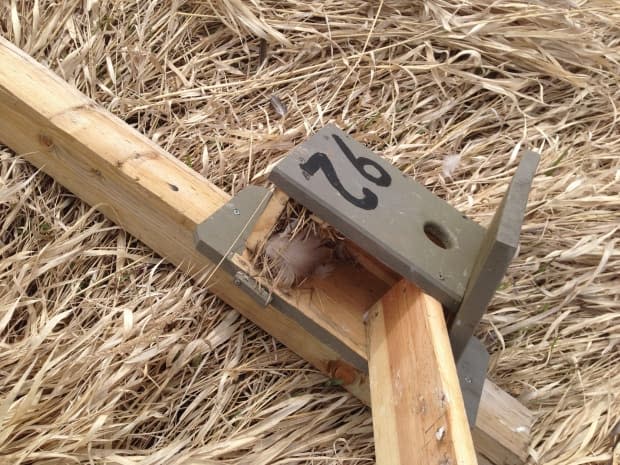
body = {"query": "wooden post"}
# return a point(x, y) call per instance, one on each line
point(418, 412)
point(160, 201)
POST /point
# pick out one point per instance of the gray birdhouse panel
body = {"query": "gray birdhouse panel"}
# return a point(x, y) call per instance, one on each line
point(391, 216)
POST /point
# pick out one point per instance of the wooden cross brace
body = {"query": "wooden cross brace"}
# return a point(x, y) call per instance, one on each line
point(418, 412)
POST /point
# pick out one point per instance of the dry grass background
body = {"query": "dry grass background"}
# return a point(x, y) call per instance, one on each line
point(108, 355)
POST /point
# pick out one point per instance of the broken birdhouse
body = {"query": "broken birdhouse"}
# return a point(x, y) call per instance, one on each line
point(429, 273)
point(171, 209)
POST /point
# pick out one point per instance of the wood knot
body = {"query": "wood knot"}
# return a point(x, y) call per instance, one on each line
point(46, 141)
point(341, 372)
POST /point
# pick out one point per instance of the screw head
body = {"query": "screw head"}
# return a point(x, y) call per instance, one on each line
point(236, 211)
point(237, 282)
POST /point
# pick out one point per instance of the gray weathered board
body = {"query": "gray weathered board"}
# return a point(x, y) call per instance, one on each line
point(407, 227)
point(391, 216)
point(497, 250)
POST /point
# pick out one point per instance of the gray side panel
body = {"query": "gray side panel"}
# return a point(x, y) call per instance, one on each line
point(225, 231)
point(472, 372)
point(498, 249)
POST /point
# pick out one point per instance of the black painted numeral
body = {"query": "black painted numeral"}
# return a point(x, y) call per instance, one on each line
point(360, 163)
point(320, 161)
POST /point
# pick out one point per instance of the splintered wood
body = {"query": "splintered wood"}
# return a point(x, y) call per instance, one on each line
point(417, 407)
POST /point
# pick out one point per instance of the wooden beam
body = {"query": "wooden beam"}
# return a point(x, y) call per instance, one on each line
point(497, 428)
point(418, 413)
point(160, 201)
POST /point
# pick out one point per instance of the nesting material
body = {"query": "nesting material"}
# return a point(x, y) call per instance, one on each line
point(301, 246)
point(108, 355)
point(294, 259)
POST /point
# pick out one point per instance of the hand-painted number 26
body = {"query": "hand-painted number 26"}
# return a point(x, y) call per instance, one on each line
point(320, 161)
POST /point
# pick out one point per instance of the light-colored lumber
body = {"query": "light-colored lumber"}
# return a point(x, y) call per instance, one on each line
point(159, 200)
point(150, 194)
point(418, 413)
point(264, 225)
point(503, 427)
